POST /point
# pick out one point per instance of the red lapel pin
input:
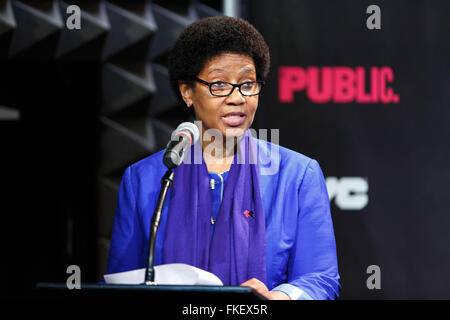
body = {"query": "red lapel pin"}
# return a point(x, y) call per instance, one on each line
point(249, 214)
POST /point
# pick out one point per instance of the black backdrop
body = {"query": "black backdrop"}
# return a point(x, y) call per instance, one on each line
point(401, 150)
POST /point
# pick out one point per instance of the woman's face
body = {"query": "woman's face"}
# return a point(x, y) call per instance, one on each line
point(233, 114)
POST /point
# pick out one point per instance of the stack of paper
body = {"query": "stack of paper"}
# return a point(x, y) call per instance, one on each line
point(167, 274)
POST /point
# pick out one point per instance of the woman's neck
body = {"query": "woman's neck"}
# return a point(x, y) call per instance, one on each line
point(219, 154)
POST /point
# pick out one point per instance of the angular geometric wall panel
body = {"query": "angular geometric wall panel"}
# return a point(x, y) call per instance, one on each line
point(127, 29)
point(200, 11)
point(7, 27)
point(164, 98)
point(122, 87)
point(34, 25)
point(170, 25)
point(120, 147)
point(93, 24)
point(7, 20)
point(161, 132)
point(9, 114)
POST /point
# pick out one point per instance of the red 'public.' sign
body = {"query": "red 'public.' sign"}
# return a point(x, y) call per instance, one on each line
point(337, 84)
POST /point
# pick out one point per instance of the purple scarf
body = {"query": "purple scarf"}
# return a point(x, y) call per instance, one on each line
point(237, 250)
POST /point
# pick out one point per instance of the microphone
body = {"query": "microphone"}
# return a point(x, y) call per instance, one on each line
point(183, 137)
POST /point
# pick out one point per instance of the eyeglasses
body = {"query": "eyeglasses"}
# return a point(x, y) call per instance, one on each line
point(223, 89)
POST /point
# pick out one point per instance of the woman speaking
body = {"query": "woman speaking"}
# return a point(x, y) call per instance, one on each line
point(264, 223)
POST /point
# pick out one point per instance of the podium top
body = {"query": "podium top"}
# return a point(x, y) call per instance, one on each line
point(156, 292)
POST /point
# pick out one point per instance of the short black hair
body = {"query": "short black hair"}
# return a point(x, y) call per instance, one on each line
point(210, 37)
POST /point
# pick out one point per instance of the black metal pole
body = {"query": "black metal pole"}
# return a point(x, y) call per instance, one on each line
point(166, 183)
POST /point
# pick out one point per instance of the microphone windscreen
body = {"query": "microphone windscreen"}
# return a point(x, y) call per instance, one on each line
point(192, 128)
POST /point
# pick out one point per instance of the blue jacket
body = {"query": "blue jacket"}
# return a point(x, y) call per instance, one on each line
point(300, 245)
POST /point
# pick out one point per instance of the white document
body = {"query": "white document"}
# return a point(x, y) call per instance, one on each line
point(167, 274)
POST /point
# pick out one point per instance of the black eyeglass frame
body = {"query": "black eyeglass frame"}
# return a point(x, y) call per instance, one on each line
point(209, 84)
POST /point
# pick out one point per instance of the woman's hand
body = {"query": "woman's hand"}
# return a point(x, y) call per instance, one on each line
point(261, 288)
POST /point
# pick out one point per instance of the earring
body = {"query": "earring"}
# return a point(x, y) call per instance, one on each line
point(188, 105)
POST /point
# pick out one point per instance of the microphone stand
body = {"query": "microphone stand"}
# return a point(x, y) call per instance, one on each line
point(166, 183)
point(172, 158)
